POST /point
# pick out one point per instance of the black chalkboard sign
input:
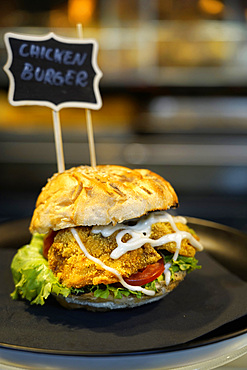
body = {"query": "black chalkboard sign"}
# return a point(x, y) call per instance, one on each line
point(53, 71)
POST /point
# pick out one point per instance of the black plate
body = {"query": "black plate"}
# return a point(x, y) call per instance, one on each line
point(227, 246)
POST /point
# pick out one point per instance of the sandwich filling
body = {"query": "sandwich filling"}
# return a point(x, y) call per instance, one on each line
point(110, 254)
point(93, 260)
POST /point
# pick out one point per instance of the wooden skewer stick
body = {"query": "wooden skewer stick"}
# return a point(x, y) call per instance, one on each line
point(79, 30)
point(88, 117)
point(90, 138)
point(58, 141)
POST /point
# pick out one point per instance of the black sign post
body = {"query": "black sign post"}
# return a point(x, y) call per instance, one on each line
point(56, 72)
point(52, 71)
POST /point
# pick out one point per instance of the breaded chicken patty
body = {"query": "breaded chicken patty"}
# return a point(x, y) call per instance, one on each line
point(74, 269)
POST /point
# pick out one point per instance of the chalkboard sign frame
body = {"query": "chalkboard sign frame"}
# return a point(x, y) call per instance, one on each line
point(65, 40)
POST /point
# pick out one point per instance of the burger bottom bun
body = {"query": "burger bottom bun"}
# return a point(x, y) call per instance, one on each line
point(89, 302)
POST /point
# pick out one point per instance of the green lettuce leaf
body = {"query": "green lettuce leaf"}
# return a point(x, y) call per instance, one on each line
point(182, 263)
point(33, 279)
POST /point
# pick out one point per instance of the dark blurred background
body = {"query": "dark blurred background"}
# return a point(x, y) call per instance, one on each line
point(174, 92)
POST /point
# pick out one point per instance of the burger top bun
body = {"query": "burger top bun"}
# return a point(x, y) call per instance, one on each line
point(87, 196)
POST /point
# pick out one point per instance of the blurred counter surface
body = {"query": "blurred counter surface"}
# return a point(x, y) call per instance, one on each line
point(199, 144)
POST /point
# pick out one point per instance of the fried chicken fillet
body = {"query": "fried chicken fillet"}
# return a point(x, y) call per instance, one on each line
point(74, 269)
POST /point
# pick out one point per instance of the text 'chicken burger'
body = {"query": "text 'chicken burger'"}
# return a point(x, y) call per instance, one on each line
point(102, 240)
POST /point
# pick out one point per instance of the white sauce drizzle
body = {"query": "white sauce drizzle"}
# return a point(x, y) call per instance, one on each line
point(141, 231)
point(140, 234)
point(167, 273)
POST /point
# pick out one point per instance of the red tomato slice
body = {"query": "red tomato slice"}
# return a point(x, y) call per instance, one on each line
point(150, 273)
point(48, 241)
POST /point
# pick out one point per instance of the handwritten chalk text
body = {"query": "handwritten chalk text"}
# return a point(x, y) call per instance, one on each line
point(66, 57)
point(52, 77)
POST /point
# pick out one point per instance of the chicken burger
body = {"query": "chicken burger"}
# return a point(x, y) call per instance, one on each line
point(103, 240)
